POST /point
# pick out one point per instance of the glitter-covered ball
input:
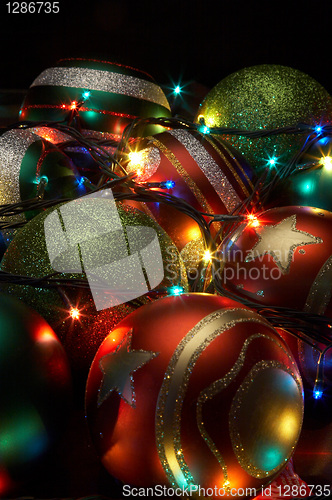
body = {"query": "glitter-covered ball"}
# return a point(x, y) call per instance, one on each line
point(202, 170)
point(86, 247)
point(194, 391)
point(266, 97)
point(102, 96)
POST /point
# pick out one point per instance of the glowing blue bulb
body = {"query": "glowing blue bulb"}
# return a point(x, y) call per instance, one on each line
point(86, 94)
point(318, 129)
point(176, 290)
point(169, 184)
point(177, 89)
point(81, 181)
point(318, 393)
point(204, 129)
point(272, 161)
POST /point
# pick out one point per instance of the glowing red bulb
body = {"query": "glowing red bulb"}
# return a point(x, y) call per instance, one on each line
point(252, 220)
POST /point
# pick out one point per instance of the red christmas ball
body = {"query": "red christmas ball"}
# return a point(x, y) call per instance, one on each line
point(282, 257)
point(201, 169)
point(194, 391)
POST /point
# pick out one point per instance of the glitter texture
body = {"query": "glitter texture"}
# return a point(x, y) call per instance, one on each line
point(28, 256)
point(285, 402)
point(149, 161)
point(266, 97)
point(320, 292)
point(280, 241)
point(214, 389)
point(192, 254)
point(13, 147)
point(209, 167)
point(185, 176)
point(105, 81)
point(174, 387)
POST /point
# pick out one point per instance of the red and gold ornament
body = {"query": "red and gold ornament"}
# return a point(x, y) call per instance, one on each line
point(201, 169)
point(214, 402)
point(282, 257)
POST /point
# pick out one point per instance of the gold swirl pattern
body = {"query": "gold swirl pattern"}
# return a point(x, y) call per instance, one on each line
point(174, 388)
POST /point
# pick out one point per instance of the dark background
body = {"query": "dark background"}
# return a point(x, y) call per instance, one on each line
point(192, 43)
point(199, 41)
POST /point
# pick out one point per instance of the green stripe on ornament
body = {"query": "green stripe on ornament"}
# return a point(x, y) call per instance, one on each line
point(98, 101)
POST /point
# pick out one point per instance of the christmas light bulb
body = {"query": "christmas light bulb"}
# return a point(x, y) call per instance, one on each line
point(207, 256)
point(176, 290)
point(74, 313)
point(204, 129)
point(326, 161)
point(272, 162)
point(252, 220)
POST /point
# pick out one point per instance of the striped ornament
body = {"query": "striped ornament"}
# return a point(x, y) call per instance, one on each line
point(106, 96)
point(207, 173)
point(24, 160)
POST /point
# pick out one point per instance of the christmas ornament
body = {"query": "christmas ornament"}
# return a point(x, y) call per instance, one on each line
point(311, 183)
point(193, 254)
point(214, 403)
point(198, 168)
point(30, 167)
point(282, 257)
point(80, 313)
point(35, 385)
point(102, 95)
point(266, 97)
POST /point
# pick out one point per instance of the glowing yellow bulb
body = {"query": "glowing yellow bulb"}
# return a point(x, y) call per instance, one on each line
point(74, 313)
point(326, 161)
point(73, 105)
point(135, 158)
point(207, 257)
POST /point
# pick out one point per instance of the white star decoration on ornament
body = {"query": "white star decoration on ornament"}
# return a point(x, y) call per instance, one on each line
point(118, 369)
point(280, 241)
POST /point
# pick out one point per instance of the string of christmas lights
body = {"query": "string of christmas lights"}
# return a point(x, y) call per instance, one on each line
point(304, 325)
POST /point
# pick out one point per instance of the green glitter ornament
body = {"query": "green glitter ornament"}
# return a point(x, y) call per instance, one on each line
point(71, 310)
point(266, 97)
